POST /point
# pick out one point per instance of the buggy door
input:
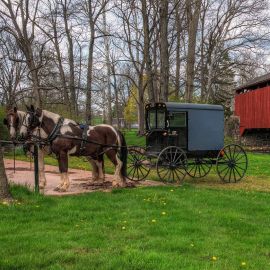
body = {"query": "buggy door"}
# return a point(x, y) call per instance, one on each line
point(178, 129)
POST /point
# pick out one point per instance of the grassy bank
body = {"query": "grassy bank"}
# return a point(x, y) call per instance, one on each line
point(146, 228)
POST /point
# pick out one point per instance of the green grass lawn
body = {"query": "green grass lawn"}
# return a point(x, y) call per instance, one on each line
point(143, 228)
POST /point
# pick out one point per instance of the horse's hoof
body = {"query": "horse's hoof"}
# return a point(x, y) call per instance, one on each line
point(116, 184)
point(57, 189)
point(42, 186)
point(99, 181)
point(64, 188)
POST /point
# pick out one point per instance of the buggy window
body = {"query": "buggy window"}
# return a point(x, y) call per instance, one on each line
point(152, 119)
point(178, 119)
point(156, 119)
point(161, 119)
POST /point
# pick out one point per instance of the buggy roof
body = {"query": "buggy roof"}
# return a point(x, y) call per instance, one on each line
point(172, 106)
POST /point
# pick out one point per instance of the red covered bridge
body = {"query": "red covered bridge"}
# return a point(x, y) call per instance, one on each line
point(252, 105)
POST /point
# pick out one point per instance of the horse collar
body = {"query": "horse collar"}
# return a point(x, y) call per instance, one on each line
point(56, 129)
point(84, 139)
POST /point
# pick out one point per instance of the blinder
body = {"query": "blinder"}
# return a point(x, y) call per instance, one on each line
point(33, 120)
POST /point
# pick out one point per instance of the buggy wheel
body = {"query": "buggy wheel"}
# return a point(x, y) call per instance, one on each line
point(199, 167)
point(171, 164)
point(138, 166)
point(232, 163)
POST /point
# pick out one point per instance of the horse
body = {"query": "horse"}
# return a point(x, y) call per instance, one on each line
point(67, 138)
point(13, 121)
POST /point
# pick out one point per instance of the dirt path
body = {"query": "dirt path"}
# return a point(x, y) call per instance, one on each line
point(24, 175)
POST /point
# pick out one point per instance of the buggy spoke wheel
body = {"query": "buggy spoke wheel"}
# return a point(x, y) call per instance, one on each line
point(199, 167)
point(138, 166)
point(232, 163)
point(171, 164)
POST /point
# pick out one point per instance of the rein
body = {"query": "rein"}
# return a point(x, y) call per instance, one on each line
point(90, 141)
point(55, 133)
point(55, 130)
point(51, 137)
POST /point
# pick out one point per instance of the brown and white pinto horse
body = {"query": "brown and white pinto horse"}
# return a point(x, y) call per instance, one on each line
point(13, 121)
point(64, 136)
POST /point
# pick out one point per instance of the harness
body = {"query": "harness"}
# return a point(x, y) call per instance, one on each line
point(55, 131)
point(103, 148)
point(84, 138)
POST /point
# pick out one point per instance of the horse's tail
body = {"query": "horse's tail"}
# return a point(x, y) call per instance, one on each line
point(123, 153)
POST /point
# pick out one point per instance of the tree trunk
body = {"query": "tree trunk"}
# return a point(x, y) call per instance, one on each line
point(73, 100)
point(178, 38)
point(117, 109)
point(148, 61)
point(61, 68)
point(4, 191)
point(164, 54)
point(35, 83)
point(88, 109)
point(108, 65)
point(140, 106)
point(193, 20)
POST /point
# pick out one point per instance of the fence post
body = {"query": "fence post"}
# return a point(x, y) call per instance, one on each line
point(36, 168)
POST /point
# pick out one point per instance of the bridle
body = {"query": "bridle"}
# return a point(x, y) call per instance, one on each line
point(34, 122)
point(15, 123)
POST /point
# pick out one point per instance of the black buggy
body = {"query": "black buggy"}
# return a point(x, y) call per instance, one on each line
point(186, 139)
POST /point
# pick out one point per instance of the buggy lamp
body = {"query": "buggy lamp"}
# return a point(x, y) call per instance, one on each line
point(222, 153)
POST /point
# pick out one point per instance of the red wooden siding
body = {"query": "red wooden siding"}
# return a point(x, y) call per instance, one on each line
point(253, 108)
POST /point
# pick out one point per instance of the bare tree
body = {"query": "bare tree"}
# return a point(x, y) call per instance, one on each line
point(4, 191)
point(147, 46)
point(92, 10)
point(12, 72)
point(19, 19)
point(108, 65)
point(193, 8)
point(164, 53)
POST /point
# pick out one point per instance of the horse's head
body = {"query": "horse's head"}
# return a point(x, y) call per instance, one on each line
point(32, 120)
point(12, 122)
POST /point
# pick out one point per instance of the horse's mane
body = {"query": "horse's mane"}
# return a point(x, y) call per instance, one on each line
point(56, 116)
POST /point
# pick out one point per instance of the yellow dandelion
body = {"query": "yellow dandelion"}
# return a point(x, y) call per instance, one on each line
point(153, 220)
point(123, 228)
point(163, 213)
point(214, 258)
point(243, 264)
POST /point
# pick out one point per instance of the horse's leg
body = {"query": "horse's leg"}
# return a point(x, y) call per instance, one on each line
point(94, 169)
point(119, 180)
point(100, 165)
point(41, 169)
point(63, 168)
